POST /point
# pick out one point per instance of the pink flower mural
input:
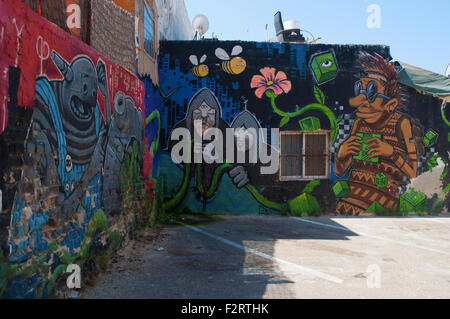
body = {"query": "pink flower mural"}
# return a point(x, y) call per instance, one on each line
point(270, 80)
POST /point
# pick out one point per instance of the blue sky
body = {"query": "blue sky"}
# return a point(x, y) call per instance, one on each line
point(417, 31)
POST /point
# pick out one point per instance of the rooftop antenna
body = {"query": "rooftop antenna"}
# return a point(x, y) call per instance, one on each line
point(200, 24)
point(447, 72)
point(267, 33)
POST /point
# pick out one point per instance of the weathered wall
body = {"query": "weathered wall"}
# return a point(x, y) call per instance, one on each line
point(272, 85)
point(112, 33)
point(127, 5)
point(72, 155)
point(174, 22)
point(56, 12)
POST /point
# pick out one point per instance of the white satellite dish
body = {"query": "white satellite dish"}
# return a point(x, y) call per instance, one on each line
point(447, 73)
point(200, 25)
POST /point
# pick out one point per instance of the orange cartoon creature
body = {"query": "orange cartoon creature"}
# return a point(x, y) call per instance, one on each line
point(382, 148)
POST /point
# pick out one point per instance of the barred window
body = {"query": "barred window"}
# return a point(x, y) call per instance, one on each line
point(147, 39)
point(149, 30)
point(305, 155)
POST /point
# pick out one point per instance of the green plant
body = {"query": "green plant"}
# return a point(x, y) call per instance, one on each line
point(166, 218)
point(3, 273)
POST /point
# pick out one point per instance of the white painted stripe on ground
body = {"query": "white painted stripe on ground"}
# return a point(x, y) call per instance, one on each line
point(303, 269)
point(374, 236)
point(439, 221)
point(441, 243)
point(322, 224)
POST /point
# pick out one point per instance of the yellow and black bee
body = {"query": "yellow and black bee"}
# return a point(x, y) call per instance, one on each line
point(235, 65)
point(201, 70)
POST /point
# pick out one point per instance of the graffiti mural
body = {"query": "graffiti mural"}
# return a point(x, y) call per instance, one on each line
point(384, 145)
point(88, 152)
point(199, 70)
point(74, 178)
point(234, 64)
point(348, 148)
point(204, 112)
point(222, 104)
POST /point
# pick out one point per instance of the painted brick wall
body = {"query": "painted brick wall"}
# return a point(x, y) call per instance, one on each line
point(56, 12)
point(72, 154)
point(127, 5)
point(300, 87)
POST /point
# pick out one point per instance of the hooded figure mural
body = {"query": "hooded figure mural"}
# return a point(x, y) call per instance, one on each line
point(249, 142)
point(204, 112)
point(204, 107)
point(68, 148)
point(246, 140)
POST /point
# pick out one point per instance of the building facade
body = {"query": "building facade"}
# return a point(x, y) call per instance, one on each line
point(94, 93)
point(352, 136)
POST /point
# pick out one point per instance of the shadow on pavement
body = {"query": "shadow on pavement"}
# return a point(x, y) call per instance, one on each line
point(196, 266)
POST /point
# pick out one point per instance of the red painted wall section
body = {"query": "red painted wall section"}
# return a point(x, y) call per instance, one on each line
point(27, 41)
point(74, 180)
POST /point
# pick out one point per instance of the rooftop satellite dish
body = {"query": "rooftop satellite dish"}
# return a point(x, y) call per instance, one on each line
point(447, 73)
point(200, 25)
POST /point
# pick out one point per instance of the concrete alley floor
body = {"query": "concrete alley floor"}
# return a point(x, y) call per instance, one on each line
point(285, 257)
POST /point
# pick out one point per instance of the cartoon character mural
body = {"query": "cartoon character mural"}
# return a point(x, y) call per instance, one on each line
point(374, 148)
point(74, 179)
point(233, 65)
point(215, 182)
point(324, 66)
point(75, 146)
point(383, 148)
point(66, 124)
point(199, 69)
point(246, 140)
point(204, 112)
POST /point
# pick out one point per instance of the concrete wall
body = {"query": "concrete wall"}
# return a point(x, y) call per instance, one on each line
point(300, 87)
point(73, 145)
point(174, 22)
